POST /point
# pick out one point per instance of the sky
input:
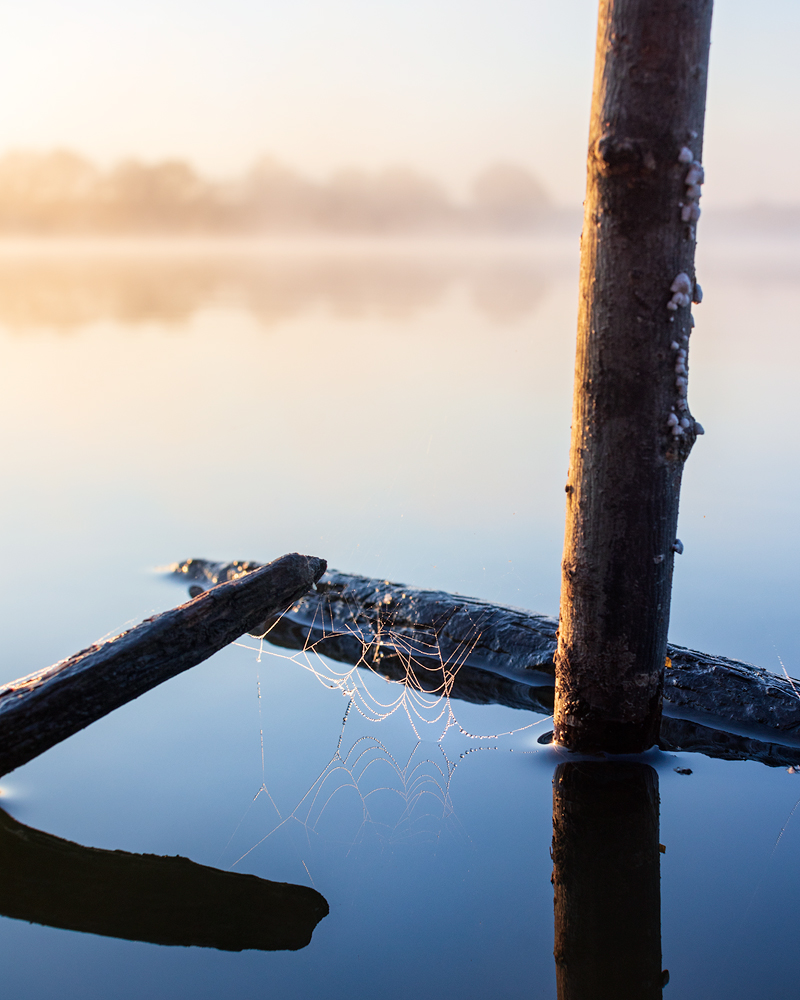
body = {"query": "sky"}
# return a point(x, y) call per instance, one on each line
point(444, 85)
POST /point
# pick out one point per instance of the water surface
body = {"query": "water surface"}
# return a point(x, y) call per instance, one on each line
point(403, 411)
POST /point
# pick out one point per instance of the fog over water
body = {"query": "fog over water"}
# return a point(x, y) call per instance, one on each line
point(444, 86)
point(62, 192)
point(304, 276)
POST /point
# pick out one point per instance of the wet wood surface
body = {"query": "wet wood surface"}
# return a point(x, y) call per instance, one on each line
point(39, 711)
point(492, 653)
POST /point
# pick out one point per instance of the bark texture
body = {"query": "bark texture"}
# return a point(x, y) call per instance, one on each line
point(606, 881)
point(39, 711)
point(144, 897)
point(628, 443)
point(490, 653)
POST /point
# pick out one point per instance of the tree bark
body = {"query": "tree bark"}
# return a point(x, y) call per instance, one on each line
point(39, 711)
point(631, 426)
point(490, 653)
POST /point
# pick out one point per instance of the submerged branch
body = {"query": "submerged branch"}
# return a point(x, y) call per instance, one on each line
point(492, 653)
point(39, 711)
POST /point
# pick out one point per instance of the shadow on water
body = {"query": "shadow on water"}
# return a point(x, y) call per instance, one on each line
point(144, 897)
point(606, 881)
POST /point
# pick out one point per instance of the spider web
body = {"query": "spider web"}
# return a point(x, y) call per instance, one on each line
point(398, 795)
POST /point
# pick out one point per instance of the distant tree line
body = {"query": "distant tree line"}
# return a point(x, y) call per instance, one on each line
point(61, 192)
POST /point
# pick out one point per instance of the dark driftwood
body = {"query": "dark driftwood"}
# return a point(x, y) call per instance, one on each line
point(39, 711)
point(491, 653)
point(143, 897)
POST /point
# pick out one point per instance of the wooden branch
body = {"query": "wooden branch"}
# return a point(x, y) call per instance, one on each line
point(492, 653)
point(39, 711)
point(631, 425)
point(143, 897)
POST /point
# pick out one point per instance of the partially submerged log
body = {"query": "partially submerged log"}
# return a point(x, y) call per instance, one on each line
point(144, 897)
point(39, 711)
point(492, 653)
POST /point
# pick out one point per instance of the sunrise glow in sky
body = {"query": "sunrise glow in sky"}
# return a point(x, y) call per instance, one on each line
point(444, 85)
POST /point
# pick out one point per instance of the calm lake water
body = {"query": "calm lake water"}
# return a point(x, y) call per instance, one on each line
point(402, 411)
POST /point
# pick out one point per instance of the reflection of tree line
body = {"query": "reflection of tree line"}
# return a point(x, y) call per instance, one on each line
point(63, 192)
point(69, 292)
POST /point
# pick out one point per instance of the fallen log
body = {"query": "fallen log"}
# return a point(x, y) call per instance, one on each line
point(144, 897)
point(39, 711)
point(492, 653)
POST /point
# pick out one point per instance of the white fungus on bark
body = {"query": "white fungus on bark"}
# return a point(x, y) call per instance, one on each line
point(677, 546)
point(681, 289)
point(695, 175)
point(679, 425)
point(684, 292)
point(690, 212)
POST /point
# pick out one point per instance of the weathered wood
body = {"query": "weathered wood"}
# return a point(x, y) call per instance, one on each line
point(606, 882)
point(631, 426)
point(144, 897)
point(39, 711)
point(492, 653)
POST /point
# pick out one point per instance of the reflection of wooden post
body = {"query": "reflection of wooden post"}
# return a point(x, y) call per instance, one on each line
point(607, 882)
point(631, 426)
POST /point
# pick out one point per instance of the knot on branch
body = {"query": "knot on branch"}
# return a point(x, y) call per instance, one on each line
point(622, 155)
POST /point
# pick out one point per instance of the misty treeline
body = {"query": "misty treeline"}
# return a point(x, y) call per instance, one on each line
point(62, 192)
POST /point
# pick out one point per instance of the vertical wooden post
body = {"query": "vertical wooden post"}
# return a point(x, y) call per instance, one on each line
point(631, 427)
point(606, 882)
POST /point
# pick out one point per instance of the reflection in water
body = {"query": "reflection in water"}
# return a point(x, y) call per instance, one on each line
point(365, 792)
point(69, 291)
point(112, 476)
point(144, 897)
point(606, 878)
